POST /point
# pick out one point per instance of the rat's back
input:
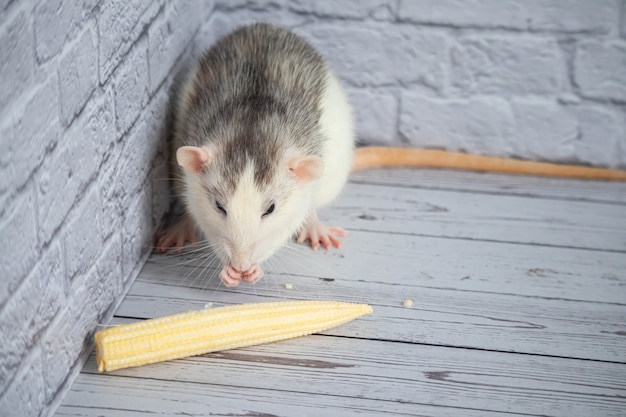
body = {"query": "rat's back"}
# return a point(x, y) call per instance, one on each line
point(261, 91)
point(257, 75)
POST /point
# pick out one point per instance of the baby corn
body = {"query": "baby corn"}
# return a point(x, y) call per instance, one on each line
point(203, 331)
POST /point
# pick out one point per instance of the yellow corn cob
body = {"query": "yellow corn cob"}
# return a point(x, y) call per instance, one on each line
point(203, 331)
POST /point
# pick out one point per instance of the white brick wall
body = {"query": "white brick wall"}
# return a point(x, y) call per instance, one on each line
point(501, 77)
point(83, 98)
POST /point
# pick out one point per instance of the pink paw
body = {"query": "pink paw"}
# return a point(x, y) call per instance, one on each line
point(232, 277)
point(320, 234)
point(175, 236)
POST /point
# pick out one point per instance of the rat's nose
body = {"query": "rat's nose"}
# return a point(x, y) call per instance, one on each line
point(241, 255)
point(240, 267)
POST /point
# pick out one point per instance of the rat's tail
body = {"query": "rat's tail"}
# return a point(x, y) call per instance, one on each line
point(389, 157)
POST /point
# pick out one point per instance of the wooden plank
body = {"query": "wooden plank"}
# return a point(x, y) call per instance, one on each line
point(439, 317)
point(427, 262)
point(115, 396)
point(476, 280)
point(552, 188)
point(406, 373)
point(499, 218)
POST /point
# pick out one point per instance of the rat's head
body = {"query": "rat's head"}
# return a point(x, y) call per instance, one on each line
point(247, 205)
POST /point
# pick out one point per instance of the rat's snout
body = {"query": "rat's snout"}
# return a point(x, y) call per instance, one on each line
point(241, 257)
point(240, 261)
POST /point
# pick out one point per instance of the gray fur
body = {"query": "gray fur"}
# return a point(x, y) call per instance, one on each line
point(257, 90)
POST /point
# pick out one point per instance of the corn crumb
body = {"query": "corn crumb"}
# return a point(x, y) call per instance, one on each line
point(288, 286)
point(208, 305)
point(407, 303)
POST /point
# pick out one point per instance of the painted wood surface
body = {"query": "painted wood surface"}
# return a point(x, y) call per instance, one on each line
point(477, 320)
point(482, 183)
point(519, 309)
point(450, 264)
point(417, 374)
point(452, 214)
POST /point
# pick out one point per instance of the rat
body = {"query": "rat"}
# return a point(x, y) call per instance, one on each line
point(264, 137)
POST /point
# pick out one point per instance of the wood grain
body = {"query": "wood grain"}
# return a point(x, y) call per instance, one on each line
point(506, 323)
point(451, 264)
point(115, 396)
point(576, 224)
point(519, 309)
point(406, 373)
point(482, 183)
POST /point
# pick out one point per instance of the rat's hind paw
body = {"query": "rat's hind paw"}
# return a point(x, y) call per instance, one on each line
point(175, 236)
point(320, 234)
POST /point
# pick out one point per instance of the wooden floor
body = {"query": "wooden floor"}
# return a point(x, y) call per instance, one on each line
point(519, 291)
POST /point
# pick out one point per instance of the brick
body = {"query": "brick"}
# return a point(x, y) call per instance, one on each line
point(130, 86)
point(507, 65)
point(21, 246)
point(602, 133)
point(544, 130)
point(127, 170)
point(74, 163)
point(71, 333)
point(6, 167)
point(29, 311)
point(111, 190)
point(570, 15)
point(4, 4)
point(140, 148)
point(36, 132)
point(478, 124)
point(171, 31)
point(56, 22)
point(111, 286)
point(388, 49)
point(254, 5)
point(78, 74)
point(83, 235)
point(97, 123)
point(623, 20)
point(533, 15)
point(93, 294)
point(120, 24)
point(137, 231)
point(375, 116)
point(16, 58)
point(25, 396)
point(352, 9)
point(226, 19)
point(600, 69)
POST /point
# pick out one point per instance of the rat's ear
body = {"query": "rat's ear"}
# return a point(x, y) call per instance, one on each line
point(307, 168)
point(193, 158)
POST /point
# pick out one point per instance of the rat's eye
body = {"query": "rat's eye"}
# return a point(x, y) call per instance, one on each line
point(269, 210)
point(220, 207)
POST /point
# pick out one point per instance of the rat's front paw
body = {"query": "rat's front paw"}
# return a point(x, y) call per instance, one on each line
point(175, 236)
point(232, 277)
point(320, 234)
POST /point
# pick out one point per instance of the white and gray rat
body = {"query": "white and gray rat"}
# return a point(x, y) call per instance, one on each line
point(263, 134)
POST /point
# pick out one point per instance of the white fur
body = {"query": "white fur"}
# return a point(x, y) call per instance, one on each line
point(336, 123)
point(244, 236)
